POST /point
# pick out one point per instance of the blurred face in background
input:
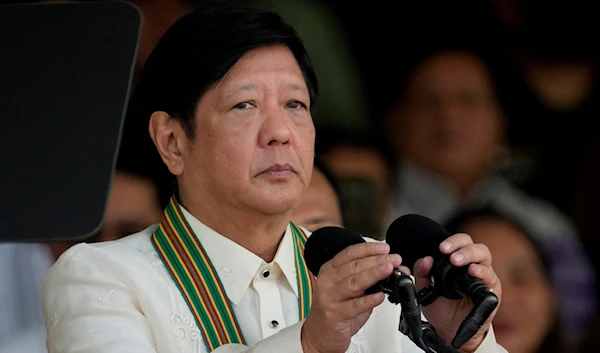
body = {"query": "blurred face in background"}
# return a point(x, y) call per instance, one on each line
point(133, 205)
point(528, 309)
point(364, 179)
point(448, 120)
point(319, 206)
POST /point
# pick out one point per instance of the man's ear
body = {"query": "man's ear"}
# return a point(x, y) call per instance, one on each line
point(169, 139)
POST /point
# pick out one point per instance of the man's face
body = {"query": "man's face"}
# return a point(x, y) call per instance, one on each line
point(449, 120)
point(319, 207)
point(254, 137)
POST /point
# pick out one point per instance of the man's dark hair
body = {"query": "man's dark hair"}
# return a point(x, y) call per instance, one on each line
point(199, 49)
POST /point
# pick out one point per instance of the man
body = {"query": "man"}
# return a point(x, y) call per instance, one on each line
point(229, 93)
point(320, 204)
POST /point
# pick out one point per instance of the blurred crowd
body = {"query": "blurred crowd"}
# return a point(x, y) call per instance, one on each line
point(482, 115)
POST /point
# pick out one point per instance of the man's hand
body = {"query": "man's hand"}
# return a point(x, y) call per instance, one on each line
point(444, 314)
point(340, 307)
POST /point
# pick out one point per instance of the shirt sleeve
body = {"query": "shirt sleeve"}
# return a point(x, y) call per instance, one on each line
point(489, 344)
point(286, 340)
point(89, 308)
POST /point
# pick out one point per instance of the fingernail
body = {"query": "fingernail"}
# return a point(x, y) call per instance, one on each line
point(383, 247)
point(458, 257)
point(392, 257)
point(446, 245)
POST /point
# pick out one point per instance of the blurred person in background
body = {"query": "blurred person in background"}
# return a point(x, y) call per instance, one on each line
point(320, 205)
point(447, 129)
point(558, 89)
point(527, 321)
point(22, 269)
point(362, 169)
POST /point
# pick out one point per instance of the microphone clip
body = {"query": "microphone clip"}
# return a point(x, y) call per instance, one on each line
point(427, 295)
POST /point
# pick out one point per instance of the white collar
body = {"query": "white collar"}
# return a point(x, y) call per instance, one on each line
point(235, 264)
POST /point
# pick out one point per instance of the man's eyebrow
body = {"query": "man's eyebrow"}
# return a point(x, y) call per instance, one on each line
point(296, 87)
point(251, 87)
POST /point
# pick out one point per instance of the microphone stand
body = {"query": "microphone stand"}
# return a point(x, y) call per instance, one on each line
point(420, 332)
point(401, 290)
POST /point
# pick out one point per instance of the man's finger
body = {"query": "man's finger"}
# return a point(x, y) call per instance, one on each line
point(455, 242)
point(355, 285)
point(405, 270)
point(359, 251)
point(473, 253)
point(352, 308)
point(357, 266)
point(421, 270)
point(487, 275)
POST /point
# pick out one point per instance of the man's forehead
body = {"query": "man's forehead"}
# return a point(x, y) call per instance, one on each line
point(237, 88)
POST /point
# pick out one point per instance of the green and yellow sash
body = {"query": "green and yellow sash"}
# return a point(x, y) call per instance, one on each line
point(199, 283)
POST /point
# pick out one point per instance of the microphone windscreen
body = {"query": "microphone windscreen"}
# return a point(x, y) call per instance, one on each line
point(414, 236)
point(325, 243)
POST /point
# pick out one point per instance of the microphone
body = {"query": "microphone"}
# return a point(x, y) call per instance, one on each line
point(413, 237)
point(325, 243)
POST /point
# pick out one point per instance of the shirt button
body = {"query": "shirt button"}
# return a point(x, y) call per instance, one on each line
point(274, 324)
point(265, 273)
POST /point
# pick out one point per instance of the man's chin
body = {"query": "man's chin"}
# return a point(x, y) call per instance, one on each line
point(279, 203)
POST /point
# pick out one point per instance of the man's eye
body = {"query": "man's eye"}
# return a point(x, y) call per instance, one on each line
point(243, 105)
point(295, 105)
